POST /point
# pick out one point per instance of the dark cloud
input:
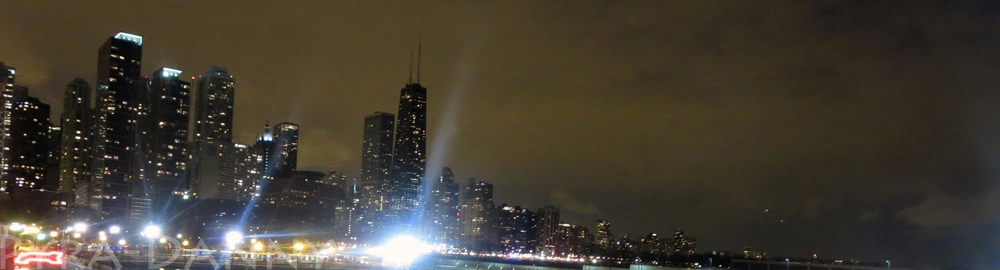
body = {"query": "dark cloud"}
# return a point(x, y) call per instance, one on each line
point(867, 128)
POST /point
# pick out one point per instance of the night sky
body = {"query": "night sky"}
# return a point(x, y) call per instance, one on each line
point(852, 129)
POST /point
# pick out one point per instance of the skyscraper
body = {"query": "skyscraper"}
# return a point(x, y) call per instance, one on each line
point(28, 148)
point(214, 115)
point(478, 222)
point(376, 165)
point(286, 151)
point(165, 132)
point(119, 64)
point(54, 156)
point(409, 154)
point(442, 221)
point(7, 75)
point(548, 225)
point(265, 143)
point(74, 165)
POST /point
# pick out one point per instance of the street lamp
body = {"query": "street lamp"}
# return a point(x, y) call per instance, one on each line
point(233, 238)
point(121, 242)
point(888, 264)
point(115, 229)
point(152, 231)
point(787, 263)
point(80, 227)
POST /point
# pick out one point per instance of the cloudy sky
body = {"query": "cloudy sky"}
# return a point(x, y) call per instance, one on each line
point(852, 129)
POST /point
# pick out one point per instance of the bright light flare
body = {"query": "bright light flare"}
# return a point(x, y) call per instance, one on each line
point(401, 250)
point(152, 231)
point(51, 257)
point(115, 229)
point(80, 227)
point(233, 238)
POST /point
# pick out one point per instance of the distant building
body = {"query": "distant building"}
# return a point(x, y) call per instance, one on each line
point(604, 240)
point(548, 224)
point(376, 165)
point(213, 118)
point(165, 133)
point(572, 240)
point(7, 76)
point(52, 162)
point(409, 156)
point(265, 143)
point(74, 163)
point(683, 245)
point(28, 150)
point(478, 218)
point(114, 173)
point(229, 171)
point(286, 151)
point(442, 221)
point(518, 229)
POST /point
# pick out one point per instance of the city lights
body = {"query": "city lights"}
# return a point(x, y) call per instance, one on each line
point(121, 242)
point(258, 246)
point(233, 238)
point(400, 250)
point(115, 229)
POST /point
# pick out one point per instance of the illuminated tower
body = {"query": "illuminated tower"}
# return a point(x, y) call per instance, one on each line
point(74, 164)
point(119, 63)
point(7, 75)
point(214, 115)
point(265, 145)
point(442, 220)
point(166, 132)
point(376, 165)
point(409, 154)
point(286, 151)
point(548, 224)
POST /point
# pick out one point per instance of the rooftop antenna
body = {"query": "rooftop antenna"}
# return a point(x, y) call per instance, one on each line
point(419, 45)
point(411, 66)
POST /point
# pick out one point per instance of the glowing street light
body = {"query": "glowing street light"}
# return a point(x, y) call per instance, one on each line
point(76, 235)
point(152, 231)
point(103, 238)
point(163, 240)
point(115, 229)
point(53, 234)
point(40, 236)
point(185, 243)
point(80, 227)
point(258, 246)
point(121, 242)
point(299, 246)
point(15, 227)
point(233, 238)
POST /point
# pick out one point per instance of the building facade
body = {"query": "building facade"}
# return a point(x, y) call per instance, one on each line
point(286, 151)
point(28, 146)
point(74, 164)
point(165, 133)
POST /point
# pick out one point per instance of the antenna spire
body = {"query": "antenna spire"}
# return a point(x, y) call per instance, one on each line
point(411, 66)
point(420, 41)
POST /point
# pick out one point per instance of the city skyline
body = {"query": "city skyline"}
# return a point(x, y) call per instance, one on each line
point(639, 122)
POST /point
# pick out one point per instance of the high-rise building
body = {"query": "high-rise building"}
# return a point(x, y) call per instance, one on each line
point(164, 138)
point(28, 150)
point(74, 164)
point(478, 221)
point(229, 171)
point(376, 166)
point(548, 225)
point(7, 75)
point(286, 151)
point(518, 229)
point(265, 143)
point(604, 238)
point(214, 113)
point(119, 64)
point(212, 118)
point(409, 156)
point(442, 221)
point(52, 162)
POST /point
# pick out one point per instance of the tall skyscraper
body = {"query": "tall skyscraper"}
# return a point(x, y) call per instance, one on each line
point(442, 221)
point(604, 239)
point(214, 115)
point(7, 75)
point(74, 164)
point(54, 156)
point(28, 149)
point(265, 143)
point(376, 165)
point(119, 64)
point(286, 151)
point(548, 225)
point(165, 132)
point(409, 155)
